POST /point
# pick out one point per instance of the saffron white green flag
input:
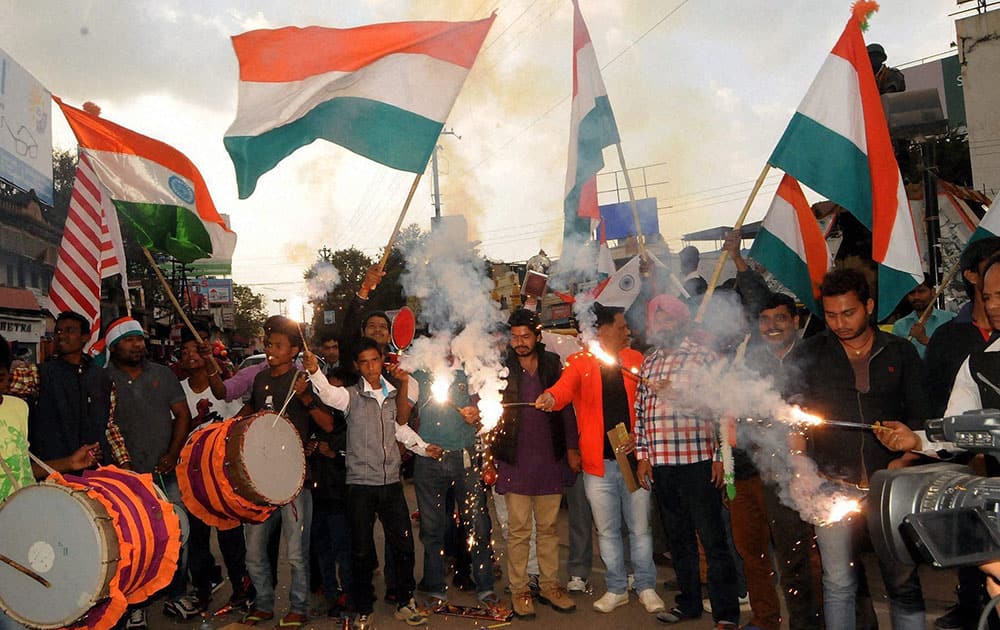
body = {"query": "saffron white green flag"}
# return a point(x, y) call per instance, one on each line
point(791, 246)
point(383, 91)
point(837, 144)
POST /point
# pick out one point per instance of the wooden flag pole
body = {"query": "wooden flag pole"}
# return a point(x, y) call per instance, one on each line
point(937, 291)
point(173, 300)
point(639, 238)
point(724, 255)
point(399, 222)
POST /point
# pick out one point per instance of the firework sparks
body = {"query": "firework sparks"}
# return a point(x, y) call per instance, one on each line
point(841, 508)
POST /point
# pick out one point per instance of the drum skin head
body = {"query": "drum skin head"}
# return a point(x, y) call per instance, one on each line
point(273, 458)
point(56, 533)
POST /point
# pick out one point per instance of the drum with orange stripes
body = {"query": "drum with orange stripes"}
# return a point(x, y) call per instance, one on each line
point(78, 550)
point(241, 470)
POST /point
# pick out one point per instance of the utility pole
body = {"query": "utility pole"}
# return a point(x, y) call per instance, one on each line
point(434, 172)
point(281, 305)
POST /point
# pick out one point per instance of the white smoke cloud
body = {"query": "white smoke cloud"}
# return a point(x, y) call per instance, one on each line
point(324, 279)
point(455, 304)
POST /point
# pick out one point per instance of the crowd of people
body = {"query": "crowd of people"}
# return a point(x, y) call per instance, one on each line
point(366, 424)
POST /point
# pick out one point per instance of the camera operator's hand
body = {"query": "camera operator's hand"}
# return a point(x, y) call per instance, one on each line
point(896, 436)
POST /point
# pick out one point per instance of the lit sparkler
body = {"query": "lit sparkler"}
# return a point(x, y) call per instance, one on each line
point(490, 411)
point(594, 348)
point(841, 508)
point(797, 416)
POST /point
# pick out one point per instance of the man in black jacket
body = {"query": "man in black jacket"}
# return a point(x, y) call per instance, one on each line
point(74, 395)
point(532, 448)
point(855, 372)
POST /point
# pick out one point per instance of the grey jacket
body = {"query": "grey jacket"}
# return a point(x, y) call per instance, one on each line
point(372, 455)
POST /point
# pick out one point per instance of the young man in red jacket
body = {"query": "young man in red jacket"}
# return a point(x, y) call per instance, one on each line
point(603, 395)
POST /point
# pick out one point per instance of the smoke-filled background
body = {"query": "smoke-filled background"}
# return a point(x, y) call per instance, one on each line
point(694, 86)
point(462, 319)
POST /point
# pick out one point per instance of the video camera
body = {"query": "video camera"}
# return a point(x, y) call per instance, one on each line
point(941, 514)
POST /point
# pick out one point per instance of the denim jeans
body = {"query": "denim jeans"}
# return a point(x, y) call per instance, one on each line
point(431, 479)
point(364, 503)
point(581, 530)
point(689, 503)
point(295, 520)
point(331, 542)
point(609, 501)
point(838, 546)
point(178, 585)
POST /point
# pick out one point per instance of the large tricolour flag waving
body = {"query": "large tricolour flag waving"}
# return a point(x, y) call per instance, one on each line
point(156, 189)
point(790, 244)
point(383, 91)
point(592, 127)
point(91, 249)
point(838, 145)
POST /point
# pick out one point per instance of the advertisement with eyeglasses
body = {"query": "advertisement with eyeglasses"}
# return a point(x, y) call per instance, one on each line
point(25, 130)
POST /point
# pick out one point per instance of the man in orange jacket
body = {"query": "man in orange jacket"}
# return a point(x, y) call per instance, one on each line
point(603, 395)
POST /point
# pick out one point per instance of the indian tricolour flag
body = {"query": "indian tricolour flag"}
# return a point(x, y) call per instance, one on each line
point(988, 226)
point(791, 246)
point(383, 91)
point(158, 192)
point(838, 145)
point(592, 127)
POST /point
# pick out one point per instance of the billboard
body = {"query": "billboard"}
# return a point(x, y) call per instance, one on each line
point(944, 75)
point(25, 130)
point(620, 223)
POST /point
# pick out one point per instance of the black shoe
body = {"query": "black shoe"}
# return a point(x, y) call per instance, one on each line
point(243, 595)
point(955, 618)
point(676, 615)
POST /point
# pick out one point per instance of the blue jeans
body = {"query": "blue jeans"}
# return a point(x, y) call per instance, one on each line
point(431, 480)
point(689, 503)
point(609, 501)
point(295, 520)
point(331, 542)
point(581, 531)
point(838, 548)
point(178, 585)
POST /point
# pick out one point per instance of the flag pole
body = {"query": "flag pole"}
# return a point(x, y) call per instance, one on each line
point(399, 222)
point(724, 255)
point(639, 238)
point(173, 300)
point(937, 291)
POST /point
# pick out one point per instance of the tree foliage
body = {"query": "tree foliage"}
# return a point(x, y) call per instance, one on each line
point(250, 313)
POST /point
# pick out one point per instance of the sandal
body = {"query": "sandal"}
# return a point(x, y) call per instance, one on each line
point(292, 620)
point(254, 617)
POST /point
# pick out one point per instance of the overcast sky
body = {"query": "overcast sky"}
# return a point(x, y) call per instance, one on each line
point(704, 95)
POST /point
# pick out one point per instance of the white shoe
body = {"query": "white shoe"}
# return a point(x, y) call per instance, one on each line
point(609, 601)
point(577, 584)
point(651, 600)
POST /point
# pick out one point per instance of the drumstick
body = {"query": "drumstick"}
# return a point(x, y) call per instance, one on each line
point(305, 345)
point(25, 570)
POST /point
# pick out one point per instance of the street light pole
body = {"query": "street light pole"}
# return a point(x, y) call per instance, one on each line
point(281, 305)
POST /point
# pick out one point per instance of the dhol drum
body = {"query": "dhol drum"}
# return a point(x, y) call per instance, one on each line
point(78, 550)
point(67, 539)
point(240, 470)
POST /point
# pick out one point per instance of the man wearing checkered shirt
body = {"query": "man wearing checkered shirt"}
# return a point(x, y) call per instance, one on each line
point(677, 457)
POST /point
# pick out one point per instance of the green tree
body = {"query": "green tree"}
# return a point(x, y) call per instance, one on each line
point(63, 178)
point(250, 313)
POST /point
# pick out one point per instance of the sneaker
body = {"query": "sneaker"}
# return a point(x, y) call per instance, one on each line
point(651, 600)
point(184, 607)
point(609, 601)
point(558, 599)
point(338, 606)
point(136, 620)
point(255, 616)
point(293, 620)
point(578, 584)
point(676, 615)
point(243, 595)
point(533, 584)
point(524, 607)
point(706, 603)
point(410, 614)
point(489, 600)
point(362, 622)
